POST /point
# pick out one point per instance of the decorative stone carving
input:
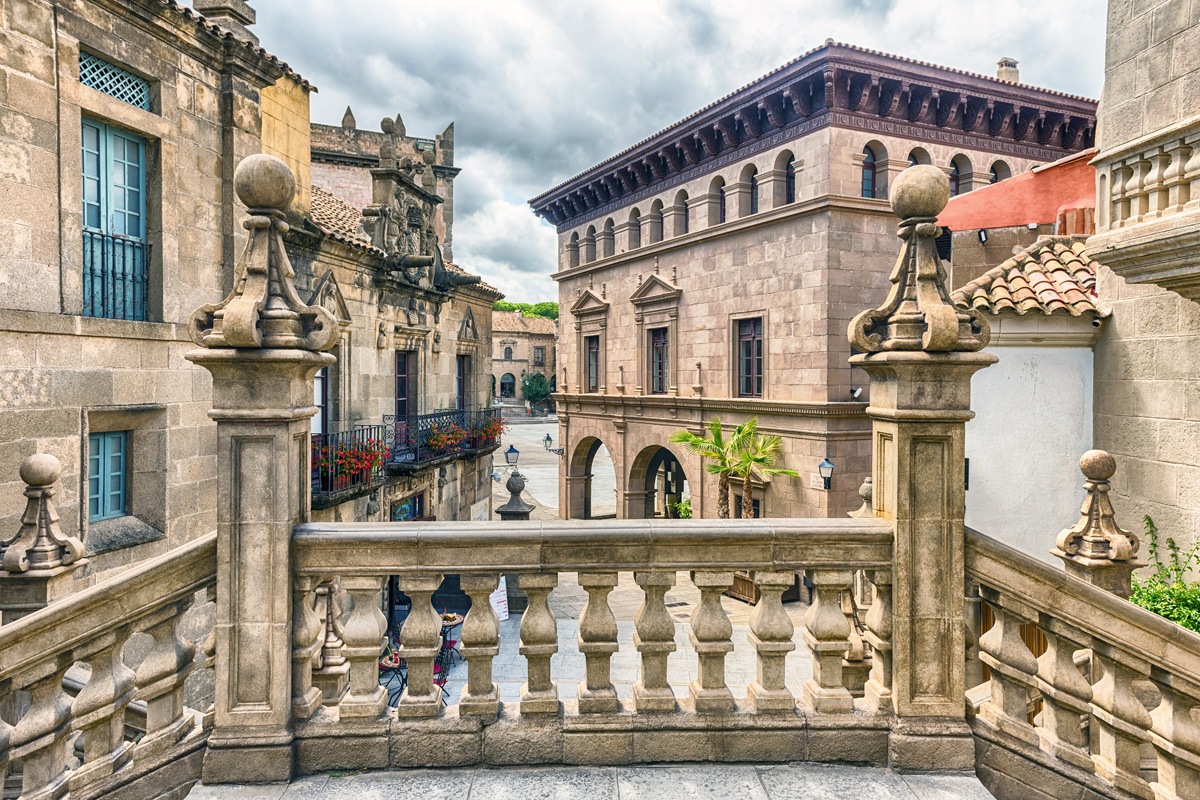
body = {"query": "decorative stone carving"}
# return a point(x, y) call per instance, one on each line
point(654, 638)
point(867, 493)
point(918, 313)
point(1096, 549)
point(264, 310)
point(39, 544)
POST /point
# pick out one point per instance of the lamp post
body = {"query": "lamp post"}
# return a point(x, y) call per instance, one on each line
point(548, 443)
point(826, 468)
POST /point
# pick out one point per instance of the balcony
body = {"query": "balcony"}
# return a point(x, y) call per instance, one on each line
point(347, 465)
point(115, 276)
point(430, 440)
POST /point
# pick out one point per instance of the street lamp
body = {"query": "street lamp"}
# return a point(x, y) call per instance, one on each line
point(826, 469)
point(548, 443)
point(511, 455)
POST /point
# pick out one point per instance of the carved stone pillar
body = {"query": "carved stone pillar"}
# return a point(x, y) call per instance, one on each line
point(654, 638)
point(539, 643)
point(771, 633)
point(712, 638)
point(262, 346)
point(597, 642)
point(480, 644)
point(38, 560)
point(921, 351)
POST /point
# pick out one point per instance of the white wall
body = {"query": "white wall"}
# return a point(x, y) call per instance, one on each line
point(1033, 419)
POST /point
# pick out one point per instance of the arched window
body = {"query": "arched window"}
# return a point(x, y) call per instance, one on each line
point(635, 229)
point(680, 206)
point(919, 155)
point(749, 179)
point(955, 178)
point(870, 172)
point(609, 245)
point(589, 245)
point(654, 223)
point(508, 385)
point(1000, 171)
point(784, 162)
point(573, 251)
point(716, 201)
point(960, 175)
point(789, 184)
point(508, 354)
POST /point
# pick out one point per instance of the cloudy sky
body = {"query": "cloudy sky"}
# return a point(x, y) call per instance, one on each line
point(540, 91)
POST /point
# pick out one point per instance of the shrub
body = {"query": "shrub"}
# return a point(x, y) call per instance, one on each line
point(1167, 592)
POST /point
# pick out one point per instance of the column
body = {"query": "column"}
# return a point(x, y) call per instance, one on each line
point(263, 347)
point(921, 352)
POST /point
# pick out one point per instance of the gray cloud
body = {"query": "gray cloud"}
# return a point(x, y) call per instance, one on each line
point(541, 91)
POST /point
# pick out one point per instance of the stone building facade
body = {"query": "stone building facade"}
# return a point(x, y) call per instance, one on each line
point(121, 125)
point(711, 270)
point(521, 346)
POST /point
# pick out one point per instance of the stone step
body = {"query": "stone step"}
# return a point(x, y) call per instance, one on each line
point(652, 782)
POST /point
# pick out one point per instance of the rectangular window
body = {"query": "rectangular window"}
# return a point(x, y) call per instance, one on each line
point(592, 345)
point(98, 74)
point(539, 356)
point(404, 386)
point(658, 361)
point(320, 420)
point(115, 251)
point(750, 357)
point(409, 509)
point(737, 507)
point(753, 194)
point(106, 475)
point(462, 382)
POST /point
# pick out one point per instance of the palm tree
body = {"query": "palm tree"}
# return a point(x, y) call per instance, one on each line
point(719, 452)
point(754, 457)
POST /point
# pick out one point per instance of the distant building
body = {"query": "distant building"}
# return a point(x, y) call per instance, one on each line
point(711, 270)
point(521, 346)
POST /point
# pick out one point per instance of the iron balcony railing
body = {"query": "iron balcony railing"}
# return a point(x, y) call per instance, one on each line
point(116, 280)
point(347, 464)
point(426, 438)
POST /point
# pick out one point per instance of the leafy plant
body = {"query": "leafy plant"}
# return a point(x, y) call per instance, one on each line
point(536, 387)
point(755, 457)
point(682, 509)
point(352, 458)
point(718, 453)
point(443, 437)
point(546, 308)
point(1167, 592)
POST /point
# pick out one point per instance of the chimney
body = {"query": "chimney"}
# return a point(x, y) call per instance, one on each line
point(1007, 70)
point(235, 16)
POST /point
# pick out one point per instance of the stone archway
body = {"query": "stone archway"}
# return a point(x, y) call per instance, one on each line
point(656, 482)
point(591, 495)
point(508, 385)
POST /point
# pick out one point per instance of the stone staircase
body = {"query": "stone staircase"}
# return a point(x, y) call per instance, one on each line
point(667, 782)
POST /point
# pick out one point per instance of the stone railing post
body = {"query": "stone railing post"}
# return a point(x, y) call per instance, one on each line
point(921, 351)
point(539, 643)
point(1096, 549)
point(480, 645)
point(263, 347)
point(597, 642)
point(654, 638)
point(38, 560)
point(771, 632)
point(712, 635)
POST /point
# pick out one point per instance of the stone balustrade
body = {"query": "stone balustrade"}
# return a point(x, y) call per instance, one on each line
point(702, 720)
point(1148, 209)
point(1106, 709)
point(81, 747)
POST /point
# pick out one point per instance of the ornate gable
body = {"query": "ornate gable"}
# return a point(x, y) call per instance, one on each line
point(328, 295)
point(468, 330)
point(655, 290)
point(589, 304)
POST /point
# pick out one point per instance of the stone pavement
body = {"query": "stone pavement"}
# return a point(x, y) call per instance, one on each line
point(676, 782)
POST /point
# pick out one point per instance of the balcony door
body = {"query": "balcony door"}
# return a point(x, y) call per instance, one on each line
point(462, 382)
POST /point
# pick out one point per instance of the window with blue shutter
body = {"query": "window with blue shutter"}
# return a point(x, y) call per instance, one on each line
point(106, 475)
point(115, 251)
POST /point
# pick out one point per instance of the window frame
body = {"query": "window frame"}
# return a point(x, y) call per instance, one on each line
point(508, 354)
point(462, 381)
point(870, 174)
point(539, 356)
point(592, 364)
point(757, 361)
point(658, 341)
point(102, 447)
point(319, 424)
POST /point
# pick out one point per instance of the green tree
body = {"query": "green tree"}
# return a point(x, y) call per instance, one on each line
point(754, 457)
point(547, 309)
point(718, 452)
point(536, 387)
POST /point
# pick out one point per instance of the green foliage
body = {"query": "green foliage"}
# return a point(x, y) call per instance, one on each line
point(546, 308)
point(536, 387)
point(755, 458)
point(682, 509)
point(1167, 592)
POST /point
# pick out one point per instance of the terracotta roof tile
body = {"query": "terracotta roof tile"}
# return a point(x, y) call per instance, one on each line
point(513, 322)
point(1054, 275)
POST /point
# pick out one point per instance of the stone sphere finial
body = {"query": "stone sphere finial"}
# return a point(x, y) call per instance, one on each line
point(263, 181)
point(515, 483)
point(40, 469)
point(1097, 465)
point(920, 191)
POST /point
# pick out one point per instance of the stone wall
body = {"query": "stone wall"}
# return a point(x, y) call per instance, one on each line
point(287, 134)
point(349, 183)
point(1147, 405)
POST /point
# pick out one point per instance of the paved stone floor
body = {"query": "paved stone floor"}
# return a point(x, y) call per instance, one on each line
point(694, 782)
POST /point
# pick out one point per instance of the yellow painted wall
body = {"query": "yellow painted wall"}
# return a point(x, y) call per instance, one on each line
point(286, 134)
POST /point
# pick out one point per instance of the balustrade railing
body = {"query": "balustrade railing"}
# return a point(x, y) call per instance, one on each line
point(1083, 711)
point(347, 464)
point(116, 276)
point(427, 438)
point(40, 721)
point(361, 558)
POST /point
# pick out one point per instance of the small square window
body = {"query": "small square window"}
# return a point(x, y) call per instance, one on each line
point(107, 475)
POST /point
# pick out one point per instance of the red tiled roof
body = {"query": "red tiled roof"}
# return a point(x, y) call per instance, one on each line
point(514, 322)
point(1054, 275)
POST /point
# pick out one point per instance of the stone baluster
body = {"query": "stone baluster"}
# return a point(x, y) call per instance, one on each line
point(856, 666)
point(826, 633)
point(1176, 737)
point(420, 642)
point(209, 649)
point(1121, 174)
point(6, 700)
point(1157, 196)
point(654, 637)
point(1173, 178)
point(1066, 694)
point(480, 644)
point(39, 740)
point(771, 633)
point(1120, 719)
point(539, 643)
point(972, 617)
point(1013, 669)
point(99, 711)
point(878, 691)
point(597, 642)
point(1190, 195)
point(160, 678)
point(307, 640)
point(332, 674)
point(712, 639)
point(1137, 191)
point(363, 633)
